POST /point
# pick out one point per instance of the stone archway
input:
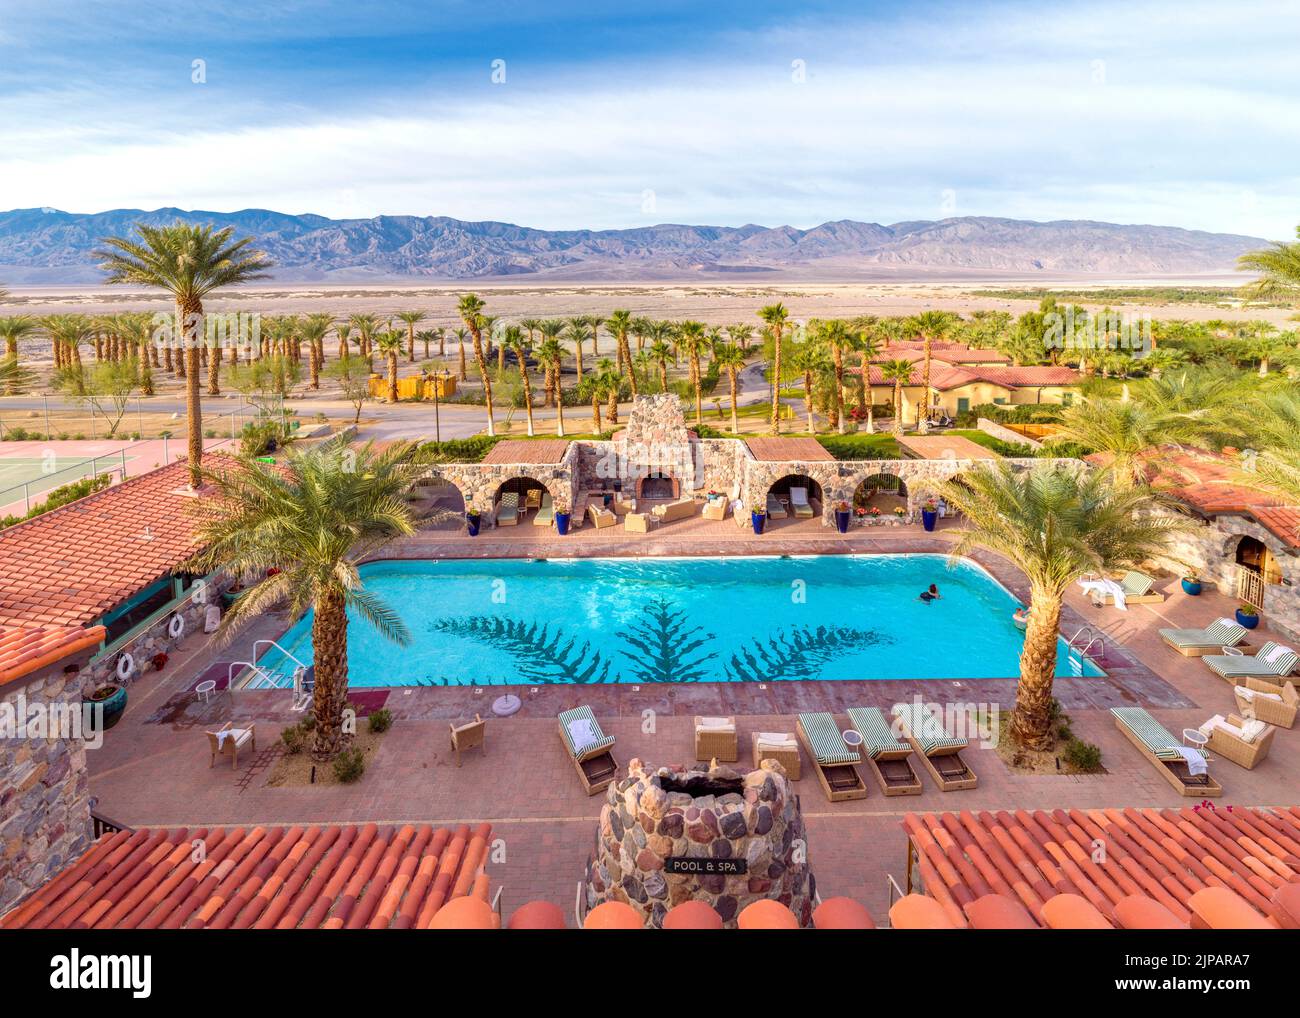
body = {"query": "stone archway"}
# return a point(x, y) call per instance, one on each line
point(883, 491)
point(528, 490)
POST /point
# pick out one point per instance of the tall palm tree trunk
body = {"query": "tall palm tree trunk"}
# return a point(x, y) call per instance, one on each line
point(923, 413)
point(735, 386)
point(214, 371)
point(698, 383)
point(663, 376)
point(839, 389)
point(808, 400)
point(464, 373)
point(1031, 721)
point(481, 361)
point(392, 377)
point(559, 403)
point(625, 352)
point(898, 409)
point(193, 399)
point(776, 380)
point(528, 391)
point(595, 411)
point(329, 632)
point(313, 364)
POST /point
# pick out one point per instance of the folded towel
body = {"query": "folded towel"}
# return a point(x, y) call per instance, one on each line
point(1250, 695)
point(582, 733)
point(1276, 653)
point(1196, 765)
point(717, 724)
point(1226, 622)
point(776, 739)
point(235, 733)
point(1218, 721)
point(1253, 729)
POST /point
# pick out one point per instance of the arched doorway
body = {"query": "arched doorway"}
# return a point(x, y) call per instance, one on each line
point(794, 496)
point(441, 503)
point(1257, 569)
point(657, 484)
point(881, 491)
point(524, 495)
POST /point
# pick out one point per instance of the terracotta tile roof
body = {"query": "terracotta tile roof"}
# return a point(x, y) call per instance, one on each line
point(336, 877)
point(1210, 482)
point(953, 353)
point(780, 450)
point(1030, 857)
point(516, 450)
point(24, 649)
point(70, 566)
point(944, 447)
point(1043, 374)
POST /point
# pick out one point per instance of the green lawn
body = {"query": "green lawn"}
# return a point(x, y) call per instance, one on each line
point(880, 446)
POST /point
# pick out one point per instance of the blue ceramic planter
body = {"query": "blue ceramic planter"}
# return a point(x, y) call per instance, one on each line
point(757, 520)
point(114, 704)
point(929, 517)
point(472, 522)
point(1191, 587)
point(562, 523)
point(1249, 621)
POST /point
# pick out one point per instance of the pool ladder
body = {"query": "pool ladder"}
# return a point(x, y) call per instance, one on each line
point(263, 678)
point(1078, 650)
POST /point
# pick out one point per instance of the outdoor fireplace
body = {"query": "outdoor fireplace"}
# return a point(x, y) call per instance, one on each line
point(656, 486)
point(726, 838)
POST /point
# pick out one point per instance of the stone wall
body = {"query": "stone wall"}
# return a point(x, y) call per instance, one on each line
point(645, 821)
point(478, 482)
point(44, 793)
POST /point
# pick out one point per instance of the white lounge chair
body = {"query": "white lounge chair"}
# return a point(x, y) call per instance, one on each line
point(545, 513)
point(799, 502)
point(1272, 661)
point(1198, 642)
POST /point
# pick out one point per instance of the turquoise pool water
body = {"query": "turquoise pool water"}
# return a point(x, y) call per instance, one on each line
point(833, 617)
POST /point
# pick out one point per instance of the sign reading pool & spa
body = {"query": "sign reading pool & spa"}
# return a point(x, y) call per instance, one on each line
point(705, 867)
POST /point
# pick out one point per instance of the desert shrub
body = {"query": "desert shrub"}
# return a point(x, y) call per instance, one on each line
point(294, 738)
point(1083, 756)
point(381, 720)
point(349, 766)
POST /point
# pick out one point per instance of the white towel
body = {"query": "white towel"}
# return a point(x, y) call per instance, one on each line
point(1106, 587)
point(1276, 653)
point(1226, 622)
point(776, 739)
point(1253, 729)
point(716, 724)
point(1196, 765)
point(582, 733)
point(235, 733)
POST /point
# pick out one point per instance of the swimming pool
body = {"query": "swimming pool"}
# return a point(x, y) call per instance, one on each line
point(537, 621)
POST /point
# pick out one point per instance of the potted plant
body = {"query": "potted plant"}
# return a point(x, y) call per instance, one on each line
point(757, 517)
point(472, 520)
point(112, 698)
point(1248, 616)
point(562, 516)
point(842, 516)
point(158, 661)
point(899, 513)
point(929, 514)
point(1192, 583)
point(874, 513)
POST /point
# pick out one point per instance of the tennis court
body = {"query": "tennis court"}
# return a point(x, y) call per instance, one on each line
point(45, 472)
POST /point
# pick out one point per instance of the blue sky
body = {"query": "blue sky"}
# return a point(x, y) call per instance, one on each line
point(620, 115)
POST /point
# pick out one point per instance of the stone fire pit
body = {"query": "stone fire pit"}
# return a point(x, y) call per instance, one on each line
point(726, 838)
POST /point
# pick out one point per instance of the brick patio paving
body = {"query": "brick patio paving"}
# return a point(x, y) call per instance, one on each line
point(153, 767)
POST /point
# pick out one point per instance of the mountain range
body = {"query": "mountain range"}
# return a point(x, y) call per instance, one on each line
point(48, 246)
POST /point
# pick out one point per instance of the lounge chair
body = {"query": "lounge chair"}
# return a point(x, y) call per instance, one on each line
point(1198, 642)
point(228, 740)
point(779, 746)
point(1259, 699)
point(682, 509)
point(832, 759)
point(589, 748)
point(1272, 662)
point(508, 510)
point(468, 736)
point(1244, 742)
point(600, 516)
point(775, 510)
point(885, 754)
point(940, 752)
point(545, 512)
point(715, 739)
point(799, 503)
point(1137, 589)
point(1164, 752)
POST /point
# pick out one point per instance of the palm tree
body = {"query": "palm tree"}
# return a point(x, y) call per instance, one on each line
point(12, 330)
point(412, 319)
point(189, 262)
point(1054, 524)
point(609, 380)
point(344, 331)
point(692, 341)
point(836, 337)
point(136, 329)
point(576, 333)
point(867, 346)
point(460, 335)
point(619, 325)
point(366, 325)
point(659, 352)
point(303, 525)
point(594, 322)
point(67, 333)
point(314, 328)
point(470, 308)
point(808, 359)
point(731, 358)
point(931, 325)
point(776, 316)
point(551, 356)
point(389, 345)
point(742, 335)
point(515, 339)
point(1278, 267)
point(898, 371)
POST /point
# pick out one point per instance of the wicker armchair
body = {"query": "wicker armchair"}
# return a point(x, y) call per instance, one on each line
point(1242, 753)
point(787, 754)
point(1276, 712)
point(716, 743)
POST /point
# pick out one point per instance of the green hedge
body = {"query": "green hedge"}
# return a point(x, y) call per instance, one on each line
point(860, 446)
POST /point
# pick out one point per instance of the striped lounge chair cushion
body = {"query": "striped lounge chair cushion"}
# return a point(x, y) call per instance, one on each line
point(1283, 659)
point(1136, 584)
point(877, 734)
point(583, 713)
point(1219, 633)
point(926, 729)
point(826, 739)
point(1151, 732)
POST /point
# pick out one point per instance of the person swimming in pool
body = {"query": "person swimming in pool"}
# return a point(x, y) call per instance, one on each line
point(929, 595)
